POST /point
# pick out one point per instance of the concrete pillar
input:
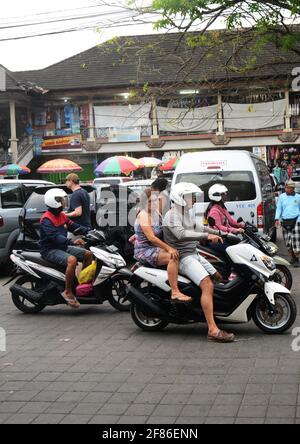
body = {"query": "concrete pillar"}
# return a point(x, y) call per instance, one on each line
point(287, 118)
point(92, 136)
point(220, 121)
point(155, 134)
point(13, 132)
point(29, 120)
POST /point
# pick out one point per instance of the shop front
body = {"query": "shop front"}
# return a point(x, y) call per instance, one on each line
point(58, 128)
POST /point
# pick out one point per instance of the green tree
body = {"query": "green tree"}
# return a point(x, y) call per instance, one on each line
point(271, 20)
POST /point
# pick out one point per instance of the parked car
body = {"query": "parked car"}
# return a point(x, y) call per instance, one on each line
point(296, 178)
point(107, 204)
point(111, 180)
point(247, 178)
point(13, 195)
point(34, 208)
point(276, 187)
point(137, 186)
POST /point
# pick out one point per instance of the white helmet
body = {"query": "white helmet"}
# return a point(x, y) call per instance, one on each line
point(215, 192)
point(183, 189)
point(54, 196)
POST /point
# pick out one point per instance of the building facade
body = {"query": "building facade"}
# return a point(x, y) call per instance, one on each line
point(132, 96)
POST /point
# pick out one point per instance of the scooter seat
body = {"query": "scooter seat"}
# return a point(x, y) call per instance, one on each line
point(37, 258)
point(219, 254)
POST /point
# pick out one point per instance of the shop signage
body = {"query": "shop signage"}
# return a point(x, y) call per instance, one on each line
point(261, 152)
point(68, 143)
point(124, 134)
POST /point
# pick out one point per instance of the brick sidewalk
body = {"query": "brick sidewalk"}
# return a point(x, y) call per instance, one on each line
point(96, 366)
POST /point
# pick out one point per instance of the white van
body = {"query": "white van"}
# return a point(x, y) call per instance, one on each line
point(247, 178)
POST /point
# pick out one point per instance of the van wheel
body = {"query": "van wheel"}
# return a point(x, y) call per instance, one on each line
point(21, 303)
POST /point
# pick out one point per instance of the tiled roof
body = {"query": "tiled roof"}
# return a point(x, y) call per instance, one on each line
point(156, 59)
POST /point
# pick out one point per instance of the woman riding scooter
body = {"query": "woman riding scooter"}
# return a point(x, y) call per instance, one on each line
point(218, 216)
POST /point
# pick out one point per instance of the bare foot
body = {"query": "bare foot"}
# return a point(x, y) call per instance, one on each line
point(180, 297)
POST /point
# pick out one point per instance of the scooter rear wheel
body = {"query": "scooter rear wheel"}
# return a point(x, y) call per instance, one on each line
point(118, 293)
point(283, 317)
point(144, 321)
point(21, 303)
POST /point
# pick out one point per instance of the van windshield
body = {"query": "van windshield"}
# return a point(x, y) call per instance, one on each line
point(240, 184)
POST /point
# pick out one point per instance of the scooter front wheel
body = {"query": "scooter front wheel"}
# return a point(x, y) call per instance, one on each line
point(283, 276)
point(20, 302)
point(144, 321)
point(277, 320)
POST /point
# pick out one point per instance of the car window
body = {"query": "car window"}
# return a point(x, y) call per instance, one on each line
point(240, 184)
point(35, 203)
point(263, 177)
point(11, 196)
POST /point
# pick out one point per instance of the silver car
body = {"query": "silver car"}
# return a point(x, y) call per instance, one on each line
point(13, 195)
point(296, 178)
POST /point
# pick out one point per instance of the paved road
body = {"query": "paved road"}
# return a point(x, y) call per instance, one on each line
point(95, 366)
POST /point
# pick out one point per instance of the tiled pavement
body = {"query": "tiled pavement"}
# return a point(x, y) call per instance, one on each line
point(94, 366)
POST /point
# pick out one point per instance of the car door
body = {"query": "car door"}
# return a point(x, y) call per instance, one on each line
point(12, 200)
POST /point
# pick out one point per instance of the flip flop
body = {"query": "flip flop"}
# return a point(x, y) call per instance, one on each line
point(180, 298)
point(72, 302)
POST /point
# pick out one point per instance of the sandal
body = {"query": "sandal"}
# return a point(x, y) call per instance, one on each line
point(72, 302)
point(181, 298)
point(221, 336)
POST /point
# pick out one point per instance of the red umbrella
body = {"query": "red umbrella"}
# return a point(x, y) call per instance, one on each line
point(171, 164)
point(59, 166)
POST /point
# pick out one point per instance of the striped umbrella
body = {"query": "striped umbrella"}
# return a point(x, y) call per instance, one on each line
point(171, 164)
point(13, 169)
point(59, 166)
point(117, 165)
point(149, 162)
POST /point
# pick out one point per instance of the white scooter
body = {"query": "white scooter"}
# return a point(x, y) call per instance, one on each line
point(40, 282)
point(250, 295)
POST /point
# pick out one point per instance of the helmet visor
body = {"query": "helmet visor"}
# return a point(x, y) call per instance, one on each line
point(193, 198)
point(62, 200)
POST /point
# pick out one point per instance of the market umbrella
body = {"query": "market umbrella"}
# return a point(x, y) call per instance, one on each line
point(149, 162)
point(13, 169)
point(171, 164)
point(118, 165)
point(59, 166)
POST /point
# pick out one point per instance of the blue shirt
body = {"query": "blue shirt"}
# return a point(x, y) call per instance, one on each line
point(81, 198)
point(288, 207)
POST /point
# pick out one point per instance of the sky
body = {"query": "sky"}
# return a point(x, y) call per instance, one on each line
point(39, 52)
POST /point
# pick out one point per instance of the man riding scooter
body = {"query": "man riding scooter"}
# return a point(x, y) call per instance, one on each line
point(54, 242)
point(179, 233)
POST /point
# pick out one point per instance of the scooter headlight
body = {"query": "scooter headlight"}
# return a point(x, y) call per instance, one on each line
point(269, 263)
